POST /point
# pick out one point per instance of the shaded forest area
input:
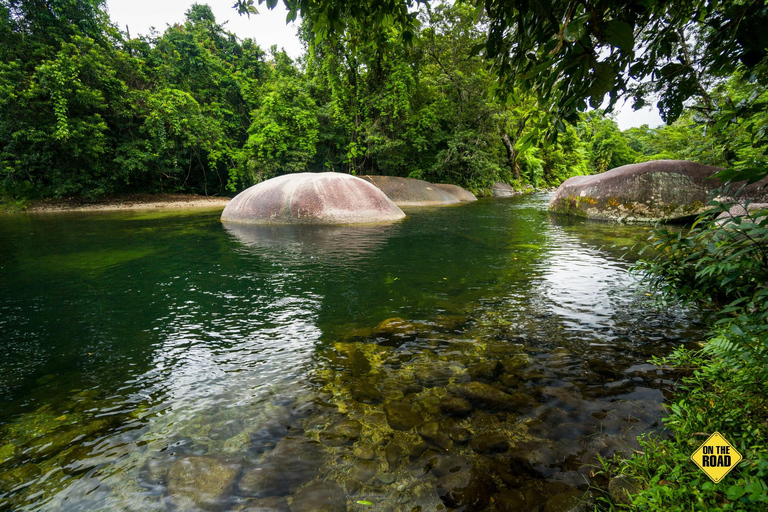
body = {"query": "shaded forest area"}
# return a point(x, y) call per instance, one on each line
point(86, 109)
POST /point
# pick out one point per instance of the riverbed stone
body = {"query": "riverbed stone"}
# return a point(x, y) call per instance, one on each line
point(510, 500)
point(412, 192)
point(402, 415)
point(489, 442)
point(421, 495)
point(311, 198)
point(203, 482)
point(365, 393)
point(571, 501)
point(660, 190)
point(364, 452)
point(455, 406)
point(462, 194)
point(432, 433)
point(394, 453)
point(416, 450)
point(470, 490)
point(487, 371)
point(484, 396)
point(345, 432)
point(293, 462)
point(152, 474)
point(271, 504)
point(364, 470)
point(320, 497)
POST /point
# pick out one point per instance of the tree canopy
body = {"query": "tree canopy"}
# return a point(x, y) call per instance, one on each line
point(468, 93)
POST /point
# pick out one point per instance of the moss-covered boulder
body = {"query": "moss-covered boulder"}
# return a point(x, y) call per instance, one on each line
point(412, 192)
point(462, 194)
point(311, 198)
point(660, 190)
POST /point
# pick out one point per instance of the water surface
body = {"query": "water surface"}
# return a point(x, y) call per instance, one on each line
point(481, 353)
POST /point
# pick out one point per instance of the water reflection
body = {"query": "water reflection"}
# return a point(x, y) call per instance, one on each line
point(346, 241)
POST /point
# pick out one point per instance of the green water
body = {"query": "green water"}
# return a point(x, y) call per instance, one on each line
point(471, 356)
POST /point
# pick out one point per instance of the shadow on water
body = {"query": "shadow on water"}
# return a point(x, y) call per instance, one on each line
point(478, 358)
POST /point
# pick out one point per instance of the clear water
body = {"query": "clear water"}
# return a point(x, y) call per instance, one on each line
point(141, 351)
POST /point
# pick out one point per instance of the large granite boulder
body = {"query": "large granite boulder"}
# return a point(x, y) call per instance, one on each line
point(660, 190)
point(311, 198)
point(502, 190)
point(412, 192)
point(462, 194)
point(739, 215)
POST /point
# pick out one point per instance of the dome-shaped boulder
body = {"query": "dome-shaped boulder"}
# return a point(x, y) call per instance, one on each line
point(462, 194)
point(412, 192)
point(312, 198)
point(659, 190)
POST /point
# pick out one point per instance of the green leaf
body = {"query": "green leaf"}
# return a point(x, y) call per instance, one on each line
point(574, 30)
point(363, 502)
point(620, 35)
point(602, 82)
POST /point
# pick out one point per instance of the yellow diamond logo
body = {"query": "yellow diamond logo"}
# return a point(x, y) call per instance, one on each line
point(716, 457)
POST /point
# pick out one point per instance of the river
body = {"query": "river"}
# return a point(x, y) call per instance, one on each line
point(476, 356)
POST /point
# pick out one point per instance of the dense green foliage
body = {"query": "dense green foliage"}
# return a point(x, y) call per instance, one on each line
point(87, 110)
point(724, 384)
point(571, 54)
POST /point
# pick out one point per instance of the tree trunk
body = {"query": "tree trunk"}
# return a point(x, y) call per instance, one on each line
point(511, 157)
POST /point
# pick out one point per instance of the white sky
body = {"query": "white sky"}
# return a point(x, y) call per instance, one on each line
point(268, 28)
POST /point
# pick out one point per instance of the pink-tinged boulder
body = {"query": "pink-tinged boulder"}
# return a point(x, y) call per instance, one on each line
point(502, 190)
point(411, 192)
point(463, 195)
point(312, 198)
point(739, 214)
point(660, 190)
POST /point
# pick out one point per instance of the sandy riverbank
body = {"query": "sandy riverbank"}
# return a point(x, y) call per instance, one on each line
point(130, 202)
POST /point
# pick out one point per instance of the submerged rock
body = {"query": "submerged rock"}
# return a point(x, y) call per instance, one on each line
point(366, 393)
point(293, 462)
point(412, 192)
point(487, 371)
point(402, 416)
point(394, 453)
point(660, 190)
point(422, 495)
point(455, 406)
point(343, 433)
point(320, 497)
point(272, 504)
point(432, 433)
point(311, 198)
point(570, 501)
point(484, 396)
point(201, 482)
point(463, 195)
point(491, 442)
point(469, 490)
